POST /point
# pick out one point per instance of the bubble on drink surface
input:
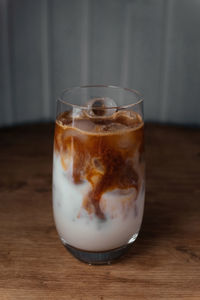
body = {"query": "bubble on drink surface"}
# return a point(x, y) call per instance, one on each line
point(101, 107)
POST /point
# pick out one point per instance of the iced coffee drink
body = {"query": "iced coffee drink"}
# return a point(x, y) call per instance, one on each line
point(98, 176)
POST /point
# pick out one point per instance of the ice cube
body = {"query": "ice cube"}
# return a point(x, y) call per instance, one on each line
point(101, 107)
point(64, 118)
point(117, 203)
point(127, 117)
point(76, 112)
point(112, 127)
point(83, 124)
point(98, 165)
point(78, 119)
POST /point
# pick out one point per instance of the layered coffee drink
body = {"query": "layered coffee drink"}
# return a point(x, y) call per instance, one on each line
point(98, 176)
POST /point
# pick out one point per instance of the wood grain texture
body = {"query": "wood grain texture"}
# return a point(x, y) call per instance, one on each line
point(164, 262)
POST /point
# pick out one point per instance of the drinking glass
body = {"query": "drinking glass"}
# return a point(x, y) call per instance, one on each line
point(98, 171)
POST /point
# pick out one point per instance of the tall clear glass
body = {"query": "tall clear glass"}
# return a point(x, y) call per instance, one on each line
point(98, 171)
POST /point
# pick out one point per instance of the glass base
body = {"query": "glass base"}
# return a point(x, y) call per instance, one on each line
point(98, 258)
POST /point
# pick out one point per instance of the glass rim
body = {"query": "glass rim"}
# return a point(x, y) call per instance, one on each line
point(139, 101)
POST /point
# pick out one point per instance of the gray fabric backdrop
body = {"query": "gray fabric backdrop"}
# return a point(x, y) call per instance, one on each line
point(149, 45)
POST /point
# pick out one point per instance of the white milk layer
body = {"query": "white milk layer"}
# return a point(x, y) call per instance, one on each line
point(88, 232)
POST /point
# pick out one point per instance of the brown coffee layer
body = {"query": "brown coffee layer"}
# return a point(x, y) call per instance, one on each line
point(103, 151)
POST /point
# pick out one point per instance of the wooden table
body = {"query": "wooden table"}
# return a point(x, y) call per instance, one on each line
point(164, 262)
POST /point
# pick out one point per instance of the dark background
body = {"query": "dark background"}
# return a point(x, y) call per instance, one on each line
point(150, 45)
